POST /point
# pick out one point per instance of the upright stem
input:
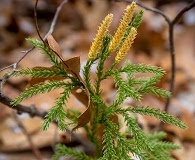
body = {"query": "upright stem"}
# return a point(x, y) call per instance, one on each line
point(172, 55)
point(94, 116)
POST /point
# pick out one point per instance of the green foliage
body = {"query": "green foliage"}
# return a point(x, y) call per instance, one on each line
point(39, 88)
point(57, 112)
point(62, 150)
point(153, 112)
point(137, 20)
point(103, 118)
point(39, 73)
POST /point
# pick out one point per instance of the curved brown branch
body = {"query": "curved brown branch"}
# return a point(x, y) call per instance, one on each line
point(178, 16)
point(36, 22)
point(53, 23)
point(172, 48)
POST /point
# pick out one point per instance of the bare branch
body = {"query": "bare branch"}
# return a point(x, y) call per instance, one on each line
point(172, 49)
point(53, 23)
point(187, 8)
point(32, 111)
point(36, 22)
point(11, 65)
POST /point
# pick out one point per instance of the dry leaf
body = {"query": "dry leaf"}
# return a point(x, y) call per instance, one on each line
point(54, 45)
point(74, 69)
point(72, 66)
point(85, 117)
point(81, 95)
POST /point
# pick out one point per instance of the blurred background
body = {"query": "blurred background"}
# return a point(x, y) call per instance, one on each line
point(74, 31)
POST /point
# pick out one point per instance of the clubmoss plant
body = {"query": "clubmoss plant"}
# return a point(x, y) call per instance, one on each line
point(100, 120)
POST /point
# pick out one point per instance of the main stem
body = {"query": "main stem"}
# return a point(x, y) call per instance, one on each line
point(94, 115)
